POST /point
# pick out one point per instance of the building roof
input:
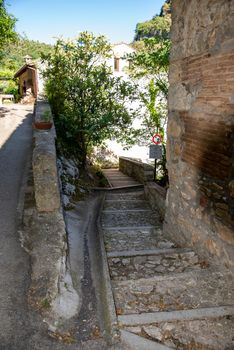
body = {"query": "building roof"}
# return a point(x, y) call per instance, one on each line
point(120, 43)
point(24, 68)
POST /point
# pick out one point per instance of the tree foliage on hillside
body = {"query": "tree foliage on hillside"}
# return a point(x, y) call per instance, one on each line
point(7, 27)
point(158, 26)
point(13, 55)
point(88, 102)
point(12, 59)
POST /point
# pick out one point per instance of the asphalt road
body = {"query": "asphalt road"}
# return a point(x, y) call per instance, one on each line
point(15, 149)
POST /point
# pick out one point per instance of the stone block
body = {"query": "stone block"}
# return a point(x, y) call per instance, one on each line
point(231, 188)
point(225, 232)
point(180, 98)
point(174, 129)
point(212, 247)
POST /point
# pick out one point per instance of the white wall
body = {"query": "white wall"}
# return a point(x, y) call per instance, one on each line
point(119, 51)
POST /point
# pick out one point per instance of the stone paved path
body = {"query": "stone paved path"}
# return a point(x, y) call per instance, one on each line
point(165, 296)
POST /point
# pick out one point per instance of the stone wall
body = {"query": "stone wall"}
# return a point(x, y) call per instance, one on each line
point(44, 231)
point(46, 185)
point(156, 196)
point(200, 148)
point(141, 172)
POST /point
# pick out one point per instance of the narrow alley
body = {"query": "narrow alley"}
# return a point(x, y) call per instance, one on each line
point(165, 296)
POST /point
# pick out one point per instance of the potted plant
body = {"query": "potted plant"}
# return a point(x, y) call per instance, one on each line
point(45, 122)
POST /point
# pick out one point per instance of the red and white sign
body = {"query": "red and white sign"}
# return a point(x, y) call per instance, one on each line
point(157, 139)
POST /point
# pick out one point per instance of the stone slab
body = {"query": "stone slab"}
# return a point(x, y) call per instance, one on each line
point(122, 211)
point(138, 343)
point(181, 315)
point(215, 333)
point(131, 227)
point(143, 252)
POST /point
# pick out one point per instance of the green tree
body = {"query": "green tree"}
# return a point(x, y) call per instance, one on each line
point(7, 27)
point(158, 26)
point(13, 55)
point(150, 63)
point(88, 102)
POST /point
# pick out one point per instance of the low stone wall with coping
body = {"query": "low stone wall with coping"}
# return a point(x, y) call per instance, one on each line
point(44, 232)
point(46, 185)
point(140, 171)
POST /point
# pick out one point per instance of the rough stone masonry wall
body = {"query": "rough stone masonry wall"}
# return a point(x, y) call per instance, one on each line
point(200, 152)
point(141, 172)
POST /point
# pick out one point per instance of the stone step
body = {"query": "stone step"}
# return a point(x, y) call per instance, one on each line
point(131, 266)
point(122, 239)
point(125, 204)
point(137, 194)
point(135, 239)
point(165, 298)
point(120, 177)
point(150, 252)
point(129, 218)
point(126, 210)
point(187, 290)
point(123, 183)
point(130, 227)
point(133, 341)
point(111, 171)
point(204, 329)
point(149, 318)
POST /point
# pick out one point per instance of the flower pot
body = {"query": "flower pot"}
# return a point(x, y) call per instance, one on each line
point(42, 125)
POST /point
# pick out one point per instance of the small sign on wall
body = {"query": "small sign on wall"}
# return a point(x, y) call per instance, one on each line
point(155, 151)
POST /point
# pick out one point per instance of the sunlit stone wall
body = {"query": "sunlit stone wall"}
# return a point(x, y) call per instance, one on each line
point(200, 151)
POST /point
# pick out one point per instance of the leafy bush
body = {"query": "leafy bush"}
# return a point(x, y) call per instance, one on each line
point(88, 102)
point(6, 74)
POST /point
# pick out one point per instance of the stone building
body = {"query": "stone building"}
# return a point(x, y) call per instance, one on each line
point(200, 150)
point(118, 62)
point(28, 78)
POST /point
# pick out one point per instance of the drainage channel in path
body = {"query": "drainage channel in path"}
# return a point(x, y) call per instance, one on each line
point(165, 297)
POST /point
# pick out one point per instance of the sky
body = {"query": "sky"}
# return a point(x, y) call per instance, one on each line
point(45, 19)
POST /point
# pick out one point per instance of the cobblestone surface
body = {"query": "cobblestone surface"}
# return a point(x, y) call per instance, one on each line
point(182, 291)
point(126, 204)
point(149, 238)
point(140, 266)
point(191, 335)
point(128, 218)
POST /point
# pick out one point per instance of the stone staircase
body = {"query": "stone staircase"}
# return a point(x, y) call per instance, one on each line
point(165, 296)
